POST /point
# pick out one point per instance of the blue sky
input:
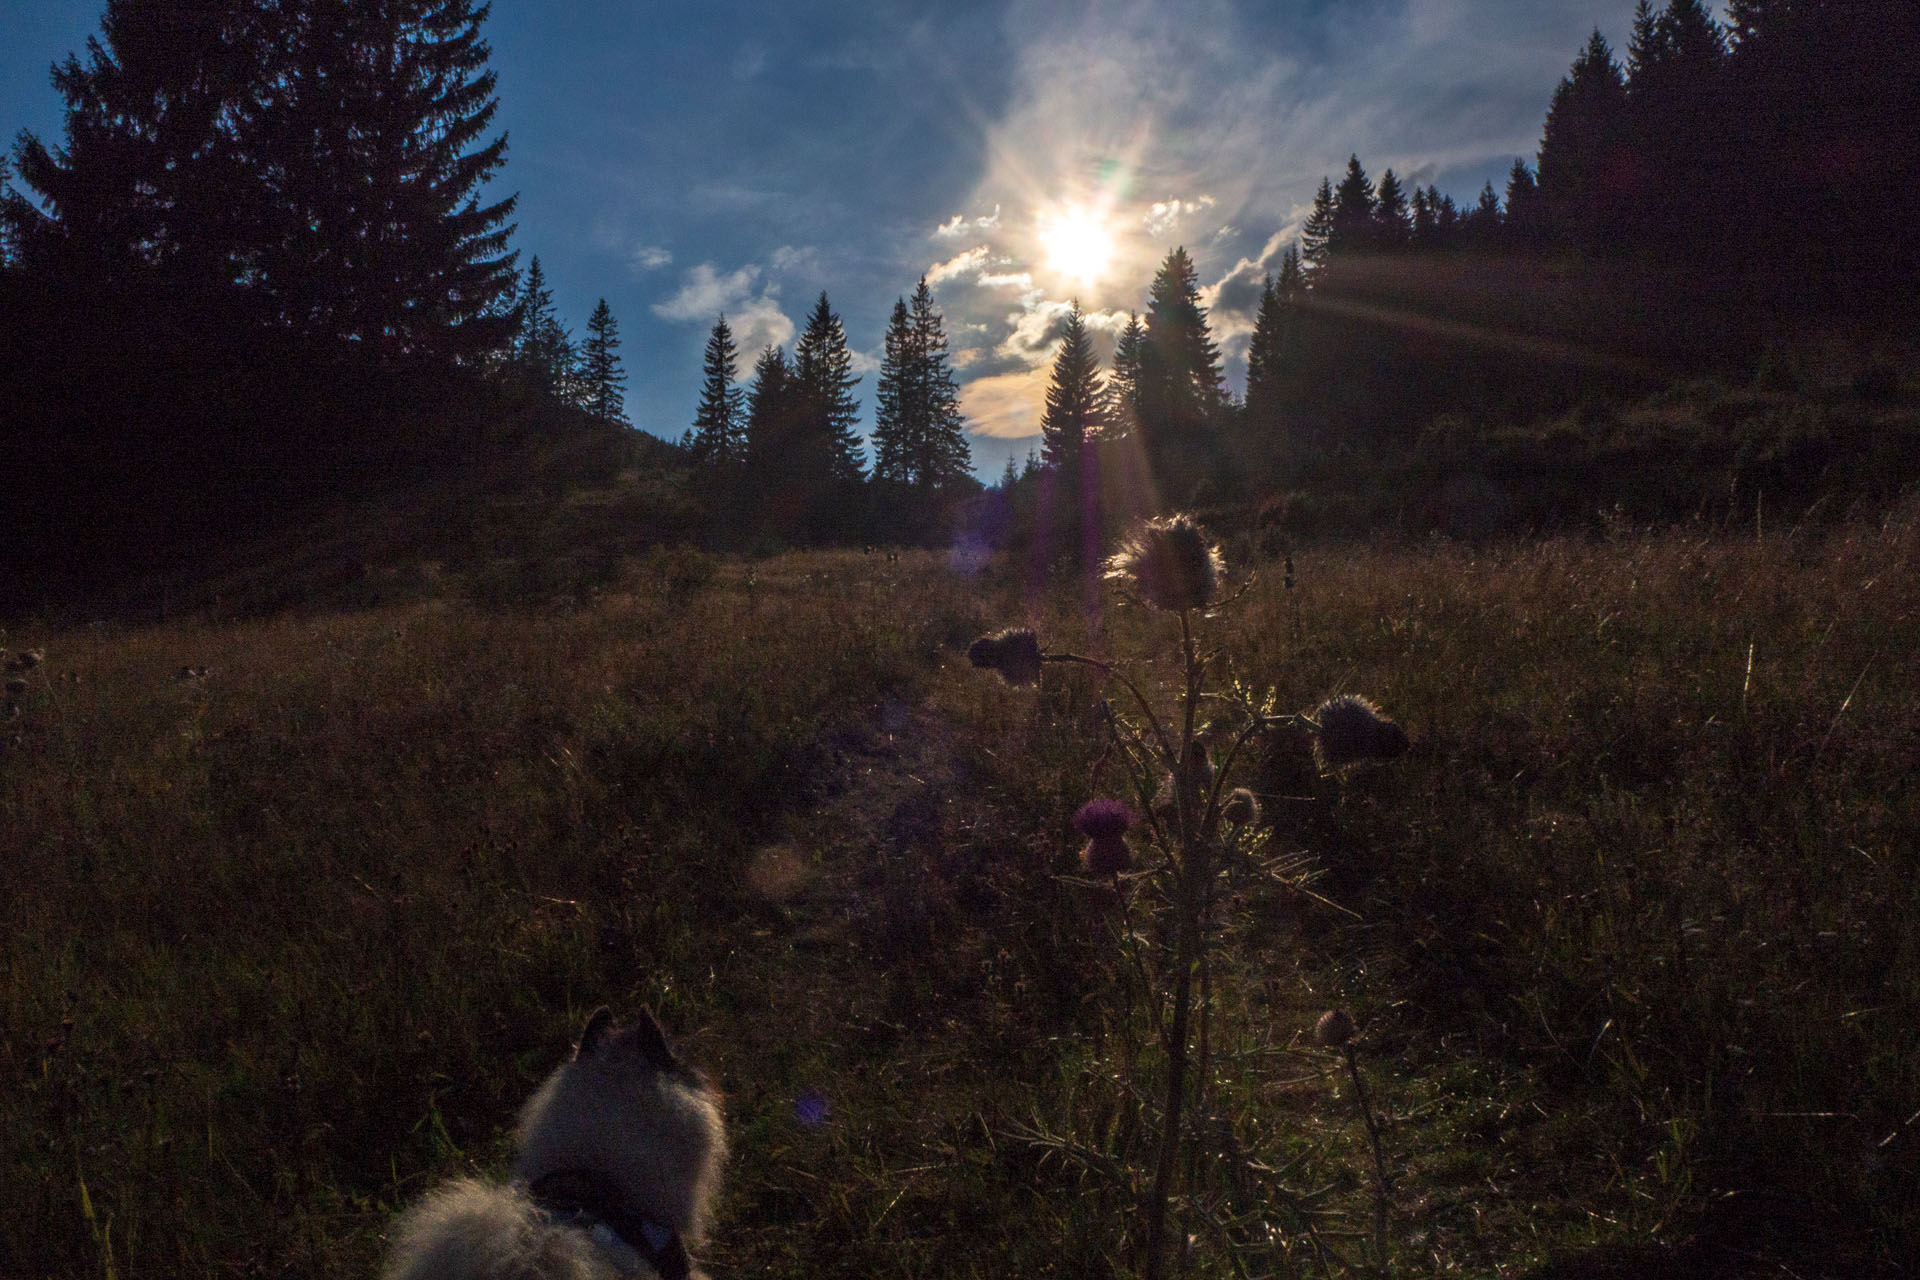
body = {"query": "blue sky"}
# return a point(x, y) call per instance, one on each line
point(681, 160)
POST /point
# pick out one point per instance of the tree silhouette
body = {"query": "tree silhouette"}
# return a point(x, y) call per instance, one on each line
point(1316, 234)
point(1584, 160)
point(544, 356)
point(373, 155)
point(823, 469)
point(603, 380)
point(323, 157)
point(771, 414)
point(918, 438)
point(1071, 427)
point(1392, 222)
point(1180, 394)
point(154, 175)
point(1523, 222)
point(719, 423)
point(1121, 413)
point(1075, 416)
point(1353, 229)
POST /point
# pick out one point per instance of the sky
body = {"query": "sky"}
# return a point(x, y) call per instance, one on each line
point(688, 160)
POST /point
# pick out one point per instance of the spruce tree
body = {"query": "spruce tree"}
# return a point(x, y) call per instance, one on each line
point(1265, 356)
point(1180, 393)
point(918, 436)
point(1316, 234)
point(324, 157)
point(1482, 226)
point(1582, 146)
point(1522, 224)
point(825, 452)
point(1121, 414)
point(1075, 414)
point(719, 425)
point(156, 174)
point(940, 454)
point(373, 145)
point(544, 356)
point(771, 420)
point(604, 381)
point(893, 399)
point(1392, 224)
point(1422, 237)
point(1353, 229)
point(1273, 366)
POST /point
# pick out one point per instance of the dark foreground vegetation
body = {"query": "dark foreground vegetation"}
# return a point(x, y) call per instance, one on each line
point(301, 909)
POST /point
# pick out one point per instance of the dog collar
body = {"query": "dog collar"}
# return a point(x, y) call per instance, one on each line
point(578, 1194)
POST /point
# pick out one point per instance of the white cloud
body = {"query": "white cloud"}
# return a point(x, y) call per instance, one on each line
point(970, 263)
point(1163, 214)
point(803, 259)
point(751, 307)
point(1035, 332)
point(960, 225)
point(648, 257)
point(758, 323)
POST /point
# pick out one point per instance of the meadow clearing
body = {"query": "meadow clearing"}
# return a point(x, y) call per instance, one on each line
point(300, 909)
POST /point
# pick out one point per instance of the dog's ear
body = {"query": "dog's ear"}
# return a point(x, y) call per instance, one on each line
point(599, 1027)
point(651, 1039)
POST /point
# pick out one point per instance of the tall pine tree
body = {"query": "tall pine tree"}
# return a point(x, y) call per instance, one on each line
point(1121, 413)
point(1353, 229)
point(603, 380)
point(823, 465)
point(1181, 396)
point(918, 438)
point(1393, 224)
point(1584, 161)
point(719, 423)
point(1075, 408)
point(1316, 234)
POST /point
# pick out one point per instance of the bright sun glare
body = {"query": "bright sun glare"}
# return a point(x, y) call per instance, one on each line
point(1077, 241)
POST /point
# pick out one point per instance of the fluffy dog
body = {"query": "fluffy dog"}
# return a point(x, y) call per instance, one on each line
point(620, 1155)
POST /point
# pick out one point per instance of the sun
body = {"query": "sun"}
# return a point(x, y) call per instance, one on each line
point(1077, 241)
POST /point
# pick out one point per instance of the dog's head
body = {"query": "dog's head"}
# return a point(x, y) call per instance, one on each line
point(628, 1108)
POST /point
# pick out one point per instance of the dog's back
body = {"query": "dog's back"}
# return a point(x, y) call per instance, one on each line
point(620, 1153)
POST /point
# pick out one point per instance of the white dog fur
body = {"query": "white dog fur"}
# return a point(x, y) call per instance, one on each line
point(631, 1137)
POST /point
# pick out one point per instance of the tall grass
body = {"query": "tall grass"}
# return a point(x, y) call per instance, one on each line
point(301, 910)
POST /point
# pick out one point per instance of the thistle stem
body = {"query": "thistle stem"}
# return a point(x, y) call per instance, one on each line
point(1381, 1187)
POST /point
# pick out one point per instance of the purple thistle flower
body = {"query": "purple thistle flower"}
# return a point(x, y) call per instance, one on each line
point(1104, 821)
point(1103, 816)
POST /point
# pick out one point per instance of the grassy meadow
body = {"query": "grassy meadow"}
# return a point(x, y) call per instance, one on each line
point(300, 909)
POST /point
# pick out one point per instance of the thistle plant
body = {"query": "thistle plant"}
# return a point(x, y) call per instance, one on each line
point(1179, 757)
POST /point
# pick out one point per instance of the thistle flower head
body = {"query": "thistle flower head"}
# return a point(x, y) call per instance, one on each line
point(25, 660)
point(1103, 817)
point(1334, 1029)
point(16, 686)
point(1170, 564)
point(1349, 729)
point(1014, 653)
point(1240, 808)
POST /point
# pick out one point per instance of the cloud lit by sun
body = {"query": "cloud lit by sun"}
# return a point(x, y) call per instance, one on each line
point(1078, 243)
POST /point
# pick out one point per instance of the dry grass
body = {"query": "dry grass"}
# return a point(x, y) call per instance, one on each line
point(302, 908)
